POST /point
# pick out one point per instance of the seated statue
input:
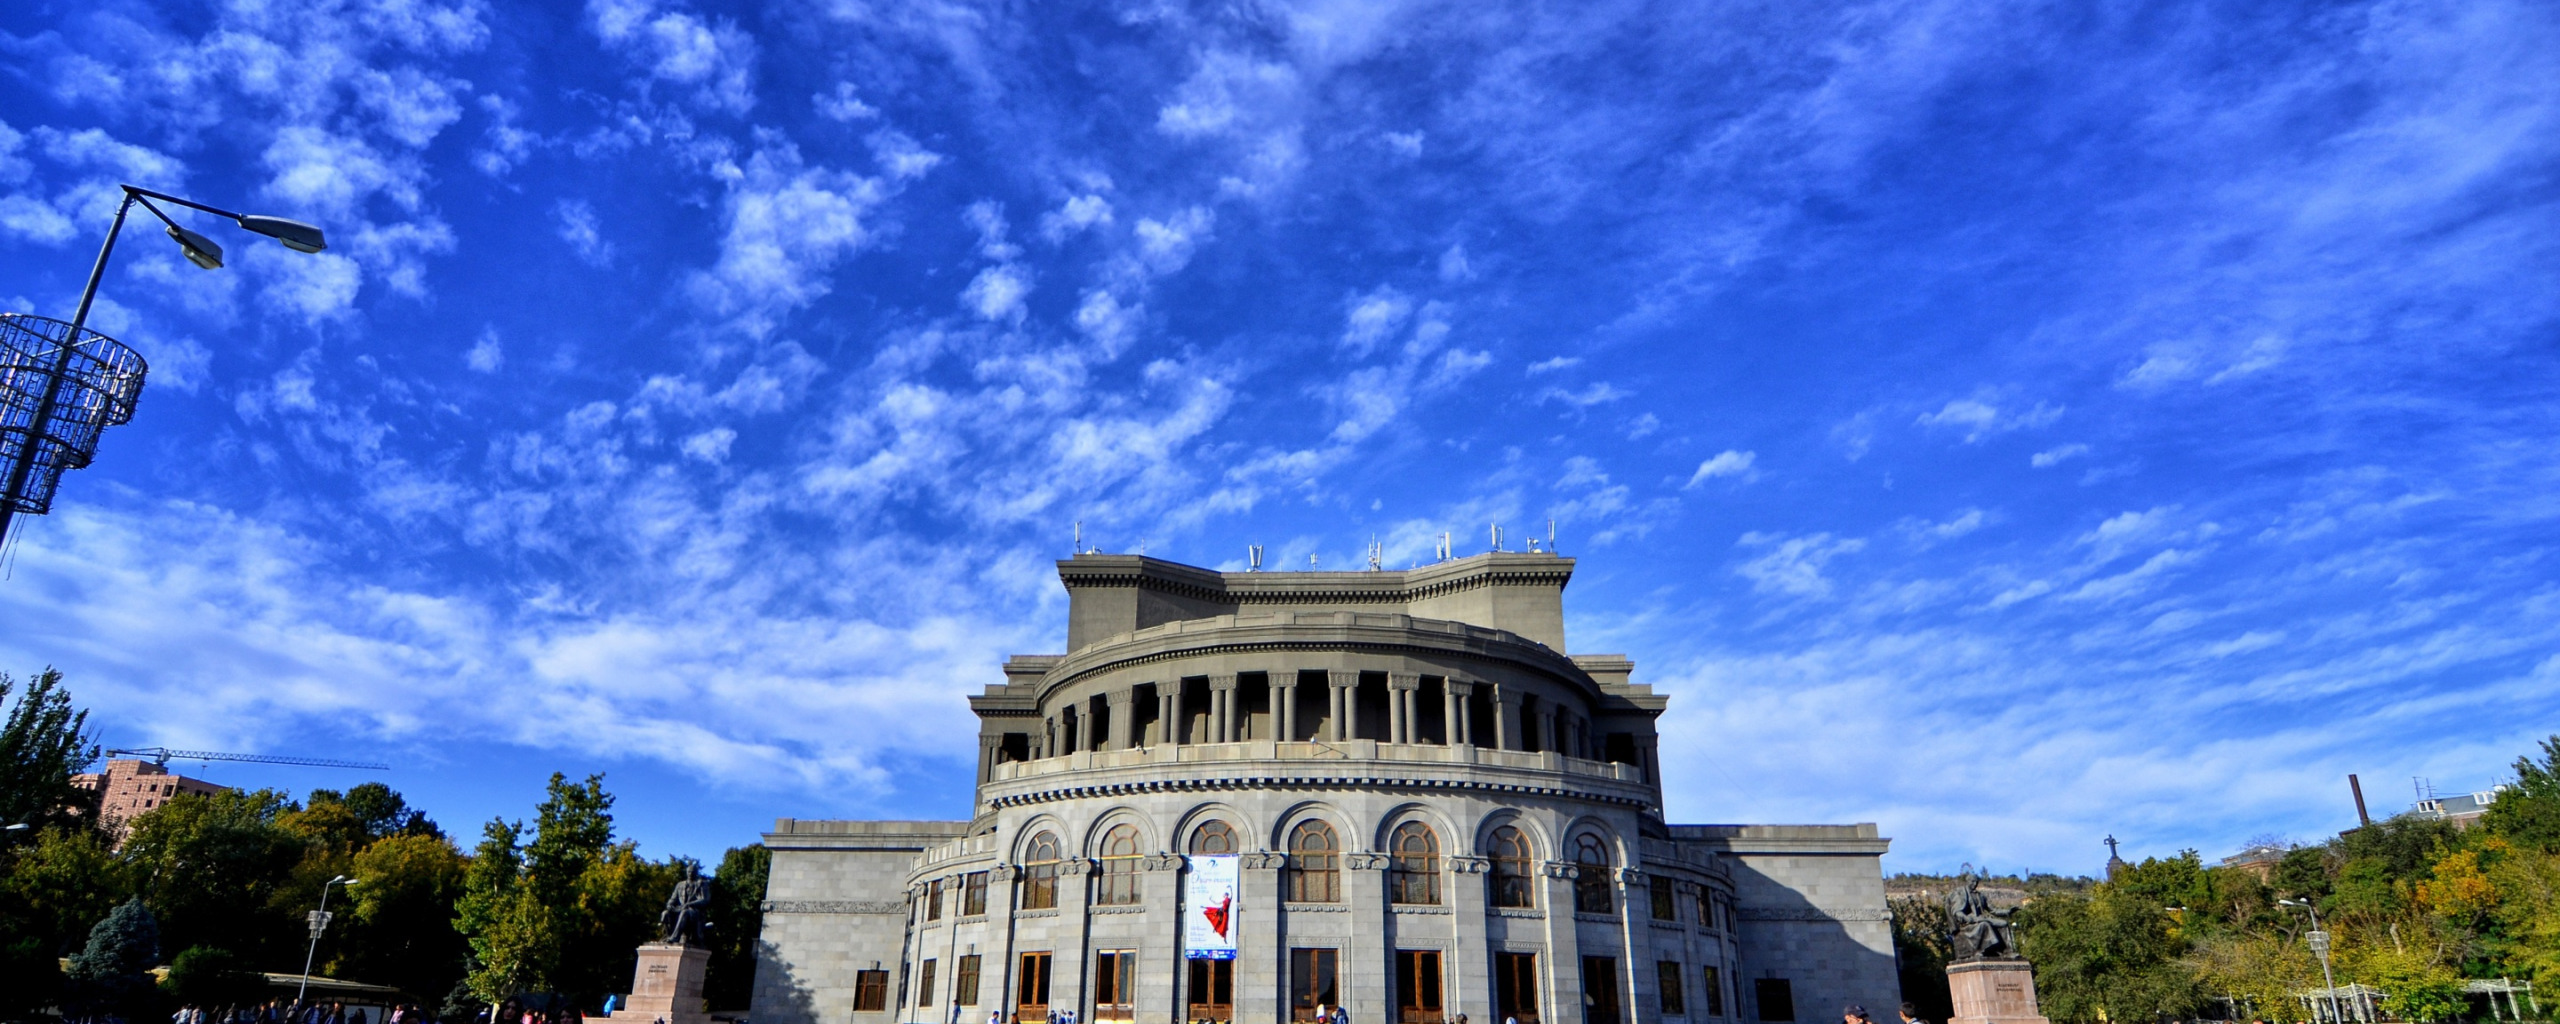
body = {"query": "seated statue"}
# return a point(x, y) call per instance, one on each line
point(1980, 930)
point(685, 922)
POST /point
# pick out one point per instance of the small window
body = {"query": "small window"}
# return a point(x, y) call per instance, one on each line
point(1666, 977)
point(1115, 994)
point(924, 983)
point(1515, 986)
point(1777, 999)
point(1511, 874)
point(964, 985)
point(1312, 977)
point(1714, 992)
point(973, 894)
point(1120, 866)
point(1591, 884)
point(870, 991)
point(1214, 837)
point(1315, 864)
point(933, 900)
point(1031, 999)
point(1666, 897)
point(1414, 861)
point(1040, 872)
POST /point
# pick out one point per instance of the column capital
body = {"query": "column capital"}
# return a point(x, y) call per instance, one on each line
point(1341, 678)
point(1262, 861)
point(1470, 865)
point(1402, 681)
point(1121, 698)
point(1461, 687)
point(1223, 682)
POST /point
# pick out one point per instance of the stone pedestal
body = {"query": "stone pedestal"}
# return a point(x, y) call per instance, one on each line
point(1993, 991)
point(666, 987)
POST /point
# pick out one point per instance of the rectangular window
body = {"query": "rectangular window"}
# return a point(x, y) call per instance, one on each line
point(973, 894)
point(1714, 992)
point(1777, 999)
point(1311, 982)
point(1119, 882)
point(964, 985)
point(870, 991)
point(1031, 992)
point(933, 900)
point(1114, 974)
point(1666, 895)
point(1666, 977)
point(1706, 908)
point(924, 984)
point(1418, 986)
point(1515, 986)
point(1599, 990)
point(1040, 886)
point(1213, 990)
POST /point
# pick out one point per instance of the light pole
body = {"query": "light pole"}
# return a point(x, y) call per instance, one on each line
point(2319, 942)
point(31, 392)
point(319, 923)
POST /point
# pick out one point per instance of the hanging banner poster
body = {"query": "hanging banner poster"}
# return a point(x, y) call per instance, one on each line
point(1209, 908)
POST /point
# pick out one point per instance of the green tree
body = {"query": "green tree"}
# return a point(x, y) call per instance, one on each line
point(111, 975)
point(2528, 813)
point(215, 866)
point(737, 918)
point(2416, 987)
point(57, 888)
point(43, 743)
point(399, 927)
point(2260, 972)
point(2112, 955)
point(207, 976)
point(1921, 948)
point(564, 912)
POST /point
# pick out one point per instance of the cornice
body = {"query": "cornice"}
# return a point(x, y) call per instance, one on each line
point(1316, 782)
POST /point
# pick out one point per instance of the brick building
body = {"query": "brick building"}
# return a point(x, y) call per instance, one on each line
point(130, 788)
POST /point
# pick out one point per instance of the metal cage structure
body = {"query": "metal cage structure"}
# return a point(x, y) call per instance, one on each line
point(99, 381)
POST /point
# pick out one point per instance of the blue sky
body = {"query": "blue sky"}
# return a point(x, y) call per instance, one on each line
point(2011, 423)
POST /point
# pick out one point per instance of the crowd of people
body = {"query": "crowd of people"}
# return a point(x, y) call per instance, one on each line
point(287, 1011)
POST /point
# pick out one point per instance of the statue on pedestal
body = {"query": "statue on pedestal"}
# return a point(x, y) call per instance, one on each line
point(685, 922)
point(1981, 931)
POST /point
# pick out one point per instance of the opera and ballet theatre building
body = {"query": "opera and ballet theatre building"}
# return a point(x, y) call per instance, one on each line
point(1252, 796)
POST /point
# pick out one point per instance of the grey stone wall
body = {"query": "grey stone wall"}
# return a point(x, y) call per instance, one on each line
point(835, 904)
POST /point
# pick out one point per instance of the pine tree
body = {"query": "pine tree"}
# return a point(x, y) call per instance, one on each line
point(112, 974)
point(43, 742)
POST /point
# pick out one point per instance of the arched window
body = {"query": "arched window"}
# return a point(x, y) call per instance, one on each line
point(1592, 886)
point(1511, 869)
point(1413, 859)
point(1214, 837)
point(1040, 872)
point(1120, 866)
point(1315, 864)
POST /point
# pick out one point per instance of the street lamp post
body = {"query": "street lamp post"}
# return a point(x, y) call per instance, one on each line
point(30, 394)
point(2319, 942)
point(319, 923)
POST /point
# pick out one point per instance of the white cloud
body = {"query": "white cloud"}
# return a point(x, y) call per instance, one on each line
point(718, 61)
point(577, 226)
point(785, 224)
point(901, 157)
point(997, 293)
point(1453, 265)
point(1110, 324)
point(1598, 393)
point(1553, 364)
point(1166, 245)
point(2052, 457)
point(485, 355)
point(1372, 317)
point(1793, 565)
point(711, 446)
point(1979, 419)
point(1076, 214)
point(1725, 463)
point(842, 104)
point(1405, 144)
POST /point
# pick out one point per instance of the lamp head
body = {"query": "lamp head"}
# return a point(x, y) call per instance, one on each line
point(295, 235)
point(14, 828)
point(2289, 903)
point(200, 250)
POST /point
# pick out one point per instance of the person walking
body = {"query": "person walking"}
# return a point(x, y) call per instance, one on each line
point(1911, 1014)
point(1854, 1014)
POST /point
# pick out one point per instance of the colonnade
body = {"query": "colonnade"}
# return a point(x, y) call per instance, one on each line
point(1215, 711)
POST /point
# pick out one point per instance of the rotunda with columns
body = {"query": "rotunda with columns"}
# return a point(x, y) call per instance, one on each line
point(1258, 796)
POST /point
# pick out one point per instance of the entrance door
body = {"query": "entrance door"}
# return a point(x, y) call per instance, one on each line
point(1114, 997)
point(1031, 999)
point(1515, 986)
point(1213, 991)
point(1599, 990)
point(1311, 981)
point(1418, 986)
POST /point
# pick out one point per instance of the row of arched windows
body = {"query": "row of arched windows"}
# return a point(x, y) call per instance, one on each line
point(1315, 866)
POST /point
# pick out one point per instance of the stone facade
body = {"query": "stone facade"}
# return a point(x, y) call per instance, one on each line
point(1435, 811)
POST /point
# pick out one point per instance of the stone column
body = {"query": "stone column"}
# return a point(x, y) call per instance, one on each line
point(1000, 886)
point(1162, 893)
point(1284, 704)
point(1547, 738)
point(1262, 957)
point(1124, 718)
point(1071, 938)
point(1451, 726)
point(1168, 709)
point(1367, 957)
point(1345, 700)
point(1564, 947)
point(1401, 690)
point(1634, 991)
point(1222, 690)
point(1471, 952)
point(1506, 718)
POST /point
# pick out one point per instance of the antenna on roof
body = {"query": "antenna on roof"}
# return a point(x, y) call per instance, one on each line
point(1311, 560)
point(1253, 558)
point(1551, 536)
point(1079, 546)
point(1375, 553)
point(1441, 553)
point(1497, 536)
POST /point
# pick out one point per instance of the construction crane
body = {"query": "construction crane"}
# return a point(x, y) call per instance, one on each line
point(162, 755)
